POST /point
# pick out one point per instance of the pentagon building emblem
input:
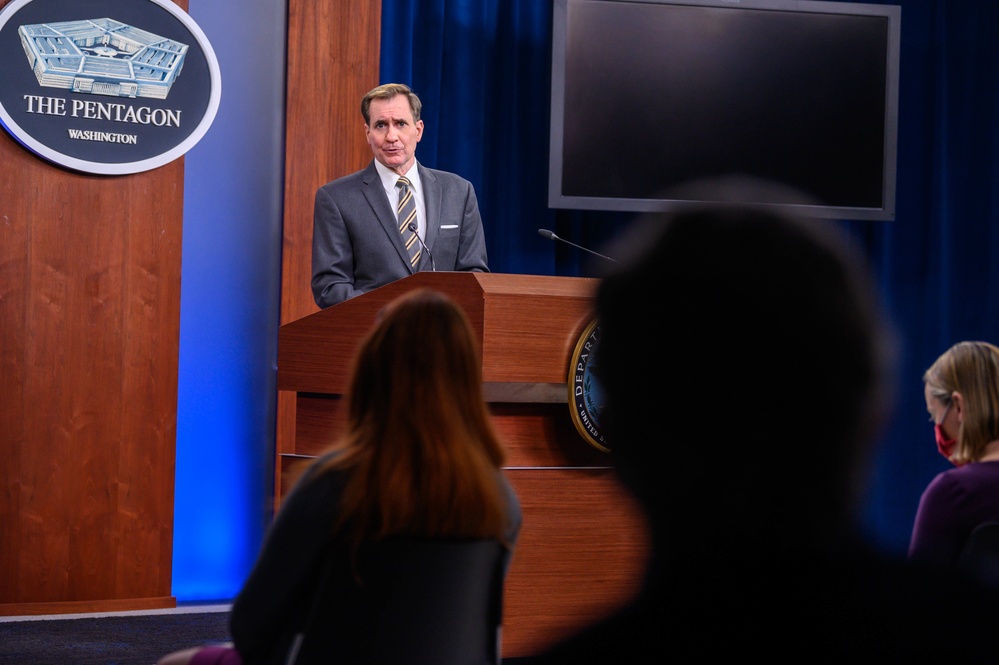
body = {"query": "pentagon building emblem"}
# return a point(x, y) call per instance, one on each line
point(585, 393)
point(102, 57)
point(109, 86)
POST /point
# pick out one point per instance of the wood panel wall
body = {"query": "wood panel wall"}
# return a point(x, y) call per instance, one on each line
point(333, 57)
point(89, 336)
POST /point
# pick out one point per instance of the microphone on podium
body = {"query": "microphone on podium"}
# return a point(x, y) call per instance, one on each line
point(545, 233)
point(412, 227)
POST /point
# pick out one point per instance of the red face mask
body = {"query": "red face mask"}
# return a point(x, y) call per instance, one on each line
point(944, 445)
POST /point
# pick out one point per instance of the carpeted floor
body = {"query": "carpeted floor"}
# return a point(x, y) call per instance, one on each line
point(133, 639)
point(111, 640)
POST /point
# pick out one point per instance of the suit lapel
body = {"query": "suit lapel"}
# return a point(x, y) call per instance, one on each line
point(379, 202)
point(432, 199)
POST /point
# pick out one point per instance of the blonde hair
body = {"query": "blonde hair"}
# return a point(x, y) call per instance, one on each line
point(971, 369)
point(420, 450)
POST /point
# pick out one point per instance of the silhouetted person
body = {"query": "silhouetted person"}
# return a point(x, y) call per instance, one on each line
point(743, 363)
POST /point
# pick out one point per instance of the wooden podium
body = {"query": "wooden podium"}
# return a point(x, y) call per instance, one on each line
point(583, 544)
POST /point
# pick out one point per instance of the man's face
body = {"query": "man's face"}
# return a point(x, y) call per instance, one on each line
point(392, 133)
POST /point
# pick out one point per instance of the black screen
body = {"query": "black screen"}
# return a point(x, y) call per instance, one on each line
point(651, 94)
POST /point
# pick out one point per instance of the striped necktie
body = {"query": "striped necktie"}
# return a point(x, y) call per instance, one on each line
point(407, 216)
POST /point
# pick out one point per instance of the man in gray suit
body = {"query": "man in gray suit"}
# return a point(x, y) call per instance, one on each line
point(359, 242)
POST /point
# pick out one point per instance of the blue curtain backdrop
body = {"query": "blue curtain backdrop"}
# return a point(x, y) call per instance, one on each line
point(481, 68)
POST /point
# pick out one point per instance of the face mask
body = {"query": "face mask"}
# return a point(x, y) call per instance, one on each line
point(944, 445)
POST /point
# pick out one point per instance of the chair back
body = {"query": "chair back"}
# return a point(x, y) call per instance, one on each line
point(410, 600)
point(980, 556)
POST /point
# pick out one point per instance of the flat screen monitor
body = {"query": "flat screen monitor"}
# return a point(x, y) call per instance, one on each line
point(649, 94)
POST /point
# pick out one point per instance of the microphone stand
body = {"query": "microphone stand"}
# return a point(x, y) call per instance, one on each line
point(545, 233)
point(412, 227)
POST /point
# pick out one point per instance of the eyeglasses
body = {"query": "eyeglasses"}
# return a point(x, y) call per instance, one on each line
point(943, 416)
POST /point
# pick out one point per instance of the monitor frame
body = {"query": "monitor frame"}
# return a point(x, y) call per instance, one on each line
point(660, 202)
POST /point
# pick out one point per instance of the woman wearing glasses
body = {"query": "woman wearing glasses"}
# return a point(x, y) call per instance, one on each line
point(962, 397)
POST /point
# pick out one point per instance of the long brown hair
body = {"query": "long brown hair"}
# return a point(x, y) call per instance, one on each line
point(420, 448)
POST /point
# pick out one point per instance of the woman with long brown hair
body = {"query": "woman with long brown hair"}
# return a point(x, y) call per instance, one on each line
point(418, 457)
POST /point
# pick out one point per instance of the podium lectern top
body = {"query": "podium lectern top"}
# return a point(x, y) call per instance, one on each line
point(527, 326)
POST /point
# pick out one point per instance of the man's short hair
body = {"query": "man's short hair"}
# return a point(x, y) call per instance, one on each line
point(389, 91)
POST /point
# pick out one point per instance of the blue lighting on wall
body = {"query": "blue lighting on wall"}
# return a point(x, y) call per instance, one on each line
point(230, 299)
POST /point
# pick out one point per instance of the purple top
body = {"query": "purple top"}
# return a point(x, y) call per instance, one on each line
point(953, 504)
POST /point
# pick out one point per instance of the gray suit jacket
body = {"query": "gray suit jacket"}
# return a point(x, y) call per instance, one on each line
point(357, 247)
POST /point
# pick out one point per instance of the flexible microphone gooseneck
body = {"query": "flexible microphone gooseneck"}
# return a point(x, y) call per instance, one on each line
point(412, 227)
point(545, 233)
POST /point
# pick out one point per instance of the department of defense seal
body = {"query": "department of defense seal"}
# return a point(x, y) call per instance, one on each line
point(585, 394)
